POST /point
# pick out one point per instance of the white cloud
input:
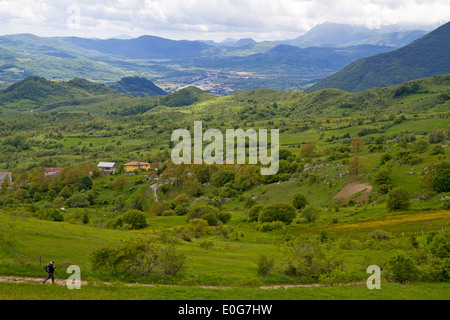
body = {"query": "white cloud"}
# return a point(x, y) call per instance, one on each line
point(211, 19)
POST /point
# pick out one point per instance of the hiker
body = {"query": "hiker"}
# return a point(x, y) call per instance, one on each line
point(50, 268)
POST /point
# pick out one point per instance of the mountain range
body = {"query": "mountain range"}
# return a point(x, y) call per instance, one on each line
point(425, 57)
point(214, 67)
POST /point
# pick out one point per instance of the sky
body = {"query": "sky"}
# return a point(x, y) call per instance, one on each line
point(211, 19)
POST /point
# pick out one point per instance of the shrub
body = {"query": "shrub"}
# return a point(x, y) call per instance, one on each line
point(280, 211)
point(440, 245)
point(271, 226)
point(436, 136)
point(207, 244)
point(382, 180)
point(310, 213)
point(181, 199)
point(299, 200)
point(398, 199)
point(54, 215)
point(264, 265)
point(402, 269)
point(211, 218)
point(135, 219)
point(441, 180)
point(181, 209)
point(197, 228)
point(380, 235)
point(79, 200)
point(199, 210)
point(171, 260)
point(253, 214)
point(224, 217)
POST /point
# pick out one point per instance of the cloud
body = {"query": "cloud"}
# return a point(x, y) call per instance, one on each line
point(201, 19)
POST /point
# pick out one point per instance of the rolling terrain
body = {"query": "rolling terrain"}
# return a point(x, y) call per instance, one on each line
point(214, 222)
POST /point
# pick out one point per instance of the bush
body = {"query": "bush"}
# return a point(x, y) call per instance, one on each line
point(264, 265)
point(271, 226)
point(402, 269)
point(224, 217)
point(139, 257)
point(181, 199)
point(197, 228)
point(441, 180)
point(299, 201)
point(253, 214)
point(181, 210)
point(440, 246)
point(398, 199)
point(310, 213)
point(199, 210)
point(135, 219)
point(79, 200)
point(382, 180)
point(211, 218)
point(280, 211)
point(380, 235)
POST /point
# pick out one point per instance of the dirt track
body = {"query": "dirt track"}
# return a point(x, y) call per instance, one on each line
point(14, 279)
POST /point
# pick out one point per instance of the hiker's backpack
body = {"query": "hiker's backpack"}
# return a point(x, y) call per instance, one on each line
point(47, 268)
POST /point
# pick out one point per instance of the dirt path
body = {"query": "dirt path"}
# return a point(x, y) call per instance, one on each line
point(352, 188)
point(63, 282)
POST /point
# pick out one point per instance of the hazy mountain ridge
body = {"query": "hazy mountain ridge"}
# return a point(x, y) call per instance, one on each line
point(425, 57)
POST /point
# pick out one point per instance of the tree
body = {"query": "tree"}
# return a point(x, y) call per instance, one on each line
point(85, 183)
point(402, 268)
point(79, 200)
point(181, 199)
point(355, 165)
point(197, 228)
point(436, 136)
point(308, 150)
point(120, 183)
point(382, 180)
point(299, 200)
point(441, 179)
point(357, 144)
point(398, 199)
point(264, 265)
point(280, 211)
point(135, 219)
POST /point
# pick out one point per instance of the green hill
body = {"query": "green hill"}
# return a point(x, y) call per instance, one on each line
point(137, 86)
point(425, 57)
point(185, 97)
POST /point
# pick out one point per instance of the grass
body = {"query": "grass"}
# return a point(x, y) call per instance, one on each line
point(388, 291)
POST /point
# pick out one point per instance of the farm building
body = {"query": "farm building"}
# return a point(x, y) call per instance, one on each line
point(107, 167)
point(50, 172)
point(135, 165)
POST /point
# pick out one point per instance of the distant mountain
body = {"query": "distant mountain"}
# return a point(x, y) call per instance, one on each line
point(137, 86)
point(229, 42)
point(425, 57)
point(144, 47)
point(288, 60)
point(343, 35)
